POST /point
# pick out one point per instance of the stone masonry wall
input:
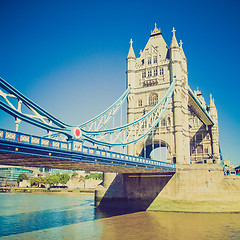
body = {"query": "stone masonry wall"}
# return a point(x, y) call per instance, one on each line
point(203, 182)
point(192, 182)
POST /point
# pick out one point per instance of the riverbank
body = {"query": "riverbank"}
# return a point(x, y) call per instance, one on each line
point(51, 191)
point(168, 205)
point(199, 188)
point(193, 188)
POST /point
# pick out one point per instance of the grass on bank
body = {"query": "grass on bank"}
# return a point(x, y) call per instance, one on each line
point(168, 205)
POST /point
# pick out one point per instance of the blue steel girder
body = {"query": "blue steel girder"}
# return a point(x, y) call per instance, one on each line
point(100, 121)
point(134, 131)
point(45, 120)
point(123, 135)
point(26, 150)
point(39, 116)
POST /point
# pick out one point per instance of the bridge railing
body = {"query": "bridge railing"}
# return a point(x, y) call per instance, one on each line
point(119, 156)
point(77, 147)
point(29, 139)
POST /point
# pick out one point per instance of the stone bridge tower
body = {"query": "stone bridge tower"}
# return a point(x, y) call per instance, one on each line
point(188, 130)
point(150, 76)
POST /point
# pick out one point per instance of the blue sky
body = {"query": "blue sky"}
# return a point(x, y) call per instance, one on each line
point(70, 56)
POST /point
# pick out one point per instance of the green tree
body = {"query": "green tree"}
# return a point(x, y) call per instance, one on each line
point(64, 177)
point(74, 174)
point(52, 180)
point(41, 180)
point(34, 181)
point(21, 177)
point(97, 176)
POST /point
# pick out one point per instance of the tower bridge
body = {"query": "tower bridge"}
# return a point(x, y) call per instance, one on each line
point(19, 149)
point(189, 128)
point(163, 113)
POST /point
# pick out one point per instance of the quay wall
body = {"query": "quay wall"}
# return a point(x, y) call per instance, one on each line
point(195, 188)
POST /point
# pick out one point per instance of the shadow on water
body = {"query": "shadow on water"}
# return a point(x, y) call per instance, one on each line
point(129, 193)
point(107, 213)
point(58, 217)
point(138, 191)
point(45, 219)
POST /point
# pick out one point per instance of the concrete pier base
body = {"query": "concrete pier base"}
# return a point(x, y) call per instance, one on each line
point(135, 192)
point(192, 188)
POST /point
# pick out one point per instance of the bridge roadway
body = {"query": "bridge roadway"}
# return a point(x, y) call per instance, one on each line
point(19, 149)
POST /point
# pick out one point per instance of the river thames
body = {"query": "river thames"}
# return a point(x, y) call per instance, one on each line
point(57, 216)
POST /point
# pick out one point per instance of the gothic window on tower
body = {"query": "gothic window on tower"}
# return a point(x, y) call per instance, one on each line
point(140, 103)
point(149, 61)
point(155, 59)
point(163, 122)
point(168, 121)
point(143, 74)
point(199, 137)
point(142, 61)
point(193, 150)
point(199, 149)
point(161, 71)
point(149, 73)
point(155, 72)
point(153, 99)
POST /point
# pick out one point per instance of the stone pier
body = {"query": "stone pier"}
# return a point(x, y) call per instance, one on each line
point(194, 187)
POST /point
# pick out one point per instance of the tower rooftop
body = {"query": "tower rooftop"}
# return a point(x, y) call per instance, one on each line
point(156, 31)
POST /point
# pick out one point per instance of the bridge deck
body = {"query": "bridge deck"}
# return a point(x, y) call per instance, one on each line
point(19, 149)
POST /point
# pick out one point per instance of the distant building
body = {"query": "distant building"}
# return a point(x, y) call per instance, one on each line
point(237, 169)
point(49, 171)
point(11, 173)
point(228, 168)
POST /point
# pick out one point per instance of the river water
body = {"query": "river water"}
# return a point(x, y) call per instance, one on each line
point(51, 216)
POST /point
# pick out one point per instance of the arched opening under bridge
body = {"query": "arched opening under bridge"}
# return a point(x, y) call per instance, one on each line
point(157, 150)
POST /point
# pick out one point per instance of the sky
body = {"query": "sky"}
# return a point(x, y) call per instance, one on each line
point(69, 56)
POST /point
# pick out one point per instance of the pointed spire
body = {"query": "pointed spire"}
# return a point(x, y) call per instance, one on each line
point(174, 42)
point(198, 92)
point(181, 43)
point(212, 109)
point(211, 103)
point(131, 53)
point(156, 31)
point(183, 54)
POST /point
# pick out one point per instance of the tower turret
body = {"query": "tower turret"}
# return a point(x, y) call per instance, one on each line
point(212, 109)
point(174, 43)
point(180, 102)
point(183, 57)
point(131, 66)
point(214, 130)
point(177, 58)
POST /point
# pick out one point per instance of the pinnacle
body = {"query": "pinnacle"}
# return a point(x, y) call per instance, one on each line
point(174, 42)
point(131, 53)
